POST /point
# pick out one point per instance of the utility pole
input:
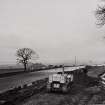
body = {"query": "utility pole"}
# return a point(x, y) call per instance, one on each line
point(75, 61)
point(63, 68)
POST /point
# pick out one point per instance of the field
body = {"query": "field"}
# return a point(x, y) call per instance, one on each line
point(78, 96)
point(83, 92)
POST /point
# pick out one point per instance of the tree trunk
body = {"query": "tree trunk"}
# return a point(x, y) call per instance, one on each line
point(25, 66)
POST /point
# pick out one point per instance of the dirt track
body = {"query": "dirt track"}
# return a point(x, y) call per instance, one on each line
point(77, 96)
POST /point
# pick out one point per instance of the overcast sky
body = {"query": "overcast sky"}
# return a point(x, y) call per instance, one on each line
point(58, 30)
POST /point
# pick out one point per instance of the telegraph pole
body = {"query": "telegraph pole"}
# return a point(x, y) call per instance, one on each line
point(75, 61)
point(63, 68)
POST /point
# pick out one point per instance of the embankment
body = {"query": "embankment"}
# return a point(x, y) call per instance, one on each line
point(16, 95)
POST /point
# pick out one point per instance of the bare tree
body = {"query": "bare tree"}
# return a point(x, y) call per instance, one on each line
point(100, 15)
point(24, 55)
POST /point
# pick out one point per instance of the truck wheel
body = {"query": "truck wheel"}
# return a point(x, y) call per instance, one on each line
point(64, 89)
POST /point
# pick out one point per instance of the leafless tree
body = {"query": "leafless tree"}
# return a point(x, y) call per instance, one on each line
point(100, 15)
point(24, 55)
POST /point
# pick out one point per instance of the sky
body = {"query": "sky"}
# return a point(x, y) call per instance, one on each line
point(58, 30)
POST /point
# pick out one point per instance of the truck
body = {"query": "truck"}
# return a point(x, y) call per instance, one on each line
point(61, 81)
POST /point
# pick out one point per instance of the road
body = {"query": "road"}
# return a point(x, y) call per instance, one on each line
point(19, 80)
